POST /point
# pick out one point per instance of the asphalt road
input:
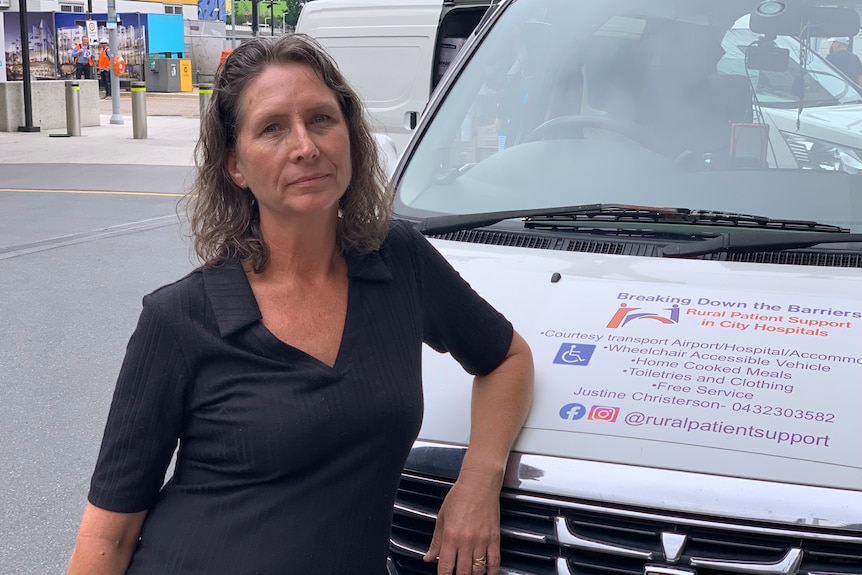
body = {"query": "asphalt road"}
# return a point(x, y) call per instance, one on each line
point(74, 265)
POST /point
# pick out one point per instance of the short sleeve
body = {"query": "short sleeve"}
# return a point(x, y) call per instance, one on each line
point(455, 318)
point(145, 419)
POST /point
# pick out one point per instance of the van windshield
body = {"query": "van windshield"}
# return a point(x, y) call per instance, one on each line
point(670, 103)
point(824, 84)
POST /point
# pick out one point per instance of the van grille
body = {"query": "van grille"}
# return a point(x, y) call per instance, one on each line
point(799, 258)
point(501, 239)
point(634, 247)
point(541, 536)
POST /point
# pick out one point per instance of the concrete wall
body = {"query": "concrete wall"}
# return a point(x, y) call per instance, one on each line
point(49, 104)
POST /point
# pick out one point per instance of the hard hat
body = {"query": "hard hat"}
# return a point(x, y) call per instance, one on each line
point(103, 41)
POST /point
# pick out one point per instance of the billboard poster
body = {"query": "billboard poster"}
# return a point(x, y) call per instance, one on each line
point(131, 40)
point(213, 10)
point(166, 35)
point(41, 44)
point(2, 50)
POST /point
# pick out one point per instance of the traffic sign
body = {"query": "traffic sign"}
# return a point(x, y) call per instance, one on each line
point(93, 31)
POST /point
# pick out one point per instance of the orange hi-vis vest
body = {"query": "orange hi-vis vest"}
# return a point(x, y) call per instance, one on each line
point(79, 50)
point(104, 60)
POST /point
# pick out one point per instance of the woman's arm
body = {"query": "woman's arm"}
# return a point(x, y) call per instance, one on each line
point(106, 541)
point(468, 525)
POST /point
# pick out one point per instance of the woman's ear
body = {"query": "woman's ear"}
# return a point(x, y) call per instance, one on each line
point(233, 170)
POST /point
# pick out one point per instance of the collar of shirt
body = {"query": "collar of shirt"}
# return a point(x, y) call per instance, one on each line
point(233, 301)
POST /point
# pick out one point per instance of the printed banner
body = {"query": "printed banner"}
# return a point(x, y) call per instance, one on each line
point(714, 368)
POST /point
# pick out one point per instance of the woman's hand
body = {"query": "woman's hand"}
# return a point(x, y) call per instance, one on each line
point(467, 534)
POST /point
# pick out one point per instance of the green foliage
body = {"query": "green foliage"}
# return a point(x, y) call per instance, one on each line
point(282, 10)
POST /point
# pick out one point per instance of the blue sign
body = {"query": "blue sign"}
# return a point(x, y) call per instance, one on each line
point(573, 411)
point(575, 354)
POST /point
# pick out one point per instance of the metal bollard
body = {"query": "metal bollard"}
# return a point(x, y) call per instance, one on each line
point(206, 94)
point(73, 108)
point(139, 110)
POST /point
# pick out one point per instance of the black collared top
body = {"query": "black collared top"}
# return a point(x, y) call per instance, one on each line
point(285, 464)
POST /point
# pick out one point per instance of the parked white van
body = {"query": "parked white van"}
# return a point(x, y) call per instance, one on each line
point(597, 171)
point(419, 39)
point(393, 52)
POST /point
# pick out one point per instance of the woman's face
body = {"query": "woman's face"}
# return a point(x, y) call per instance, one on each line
point(293, 144)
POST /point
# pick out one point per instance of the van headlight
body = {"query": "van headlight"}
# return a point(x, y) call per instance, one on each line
point(813, 154)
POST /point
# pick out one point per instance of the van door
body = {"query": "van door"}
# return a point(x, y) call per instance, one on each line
point(386, 50)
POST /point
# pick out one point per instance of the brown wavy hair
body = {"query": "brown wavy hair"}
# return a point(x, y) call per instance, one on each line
point(224, 218)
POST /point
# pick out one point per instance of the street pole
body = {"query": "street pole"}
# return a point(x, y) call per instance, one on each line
point(233, 24)
point(255, 17)
point(116, 116)
point(271, 18)
point(25, 68)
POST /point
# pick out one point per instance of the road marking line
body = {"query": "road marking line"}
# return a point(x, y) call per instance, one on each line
point(82, 237)
point(96, 192)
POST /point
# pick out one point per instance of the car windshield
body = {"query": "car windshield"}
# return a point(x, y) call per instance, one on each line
point(642, 102)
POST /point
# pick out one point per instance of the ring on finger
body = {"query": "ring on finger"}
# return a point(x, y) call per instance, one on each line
point(480, 563)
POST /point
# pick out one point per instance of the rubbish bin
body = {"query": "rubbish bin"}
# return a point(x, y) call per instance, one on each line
point(186, 76)
point(163, 75)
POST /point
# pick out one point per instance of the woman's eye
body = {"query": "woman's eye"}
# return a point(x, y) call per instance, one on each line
point(321, 118)
point(271, 128)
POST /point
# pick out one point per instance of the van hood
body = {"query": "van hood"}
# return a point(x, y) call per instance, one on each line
point(838, 124)
point(703, 367)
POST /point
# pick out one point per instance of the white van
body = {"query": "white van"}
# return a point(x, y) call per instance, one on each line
point(421, 38)
point(394, 52)
point(596, 170)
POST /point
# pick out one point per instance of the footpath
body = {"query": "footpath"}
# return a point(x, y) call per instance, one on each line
point(172, 130)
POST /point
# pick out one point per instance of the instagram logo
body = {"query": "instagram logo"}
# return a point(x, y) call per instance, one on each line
point(601, 413)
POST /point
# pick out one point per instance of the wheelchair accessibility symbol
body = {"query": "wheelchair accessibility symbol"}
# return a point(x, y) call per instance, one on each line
point(574, 354)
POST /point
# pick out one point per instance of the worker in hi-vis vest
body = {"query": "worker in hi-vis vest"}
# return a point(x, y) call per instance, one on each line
point(82, 55)
point(105, 66)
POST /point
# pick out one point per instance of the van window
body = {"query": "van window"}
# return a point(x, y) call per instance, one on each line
point(646, 102)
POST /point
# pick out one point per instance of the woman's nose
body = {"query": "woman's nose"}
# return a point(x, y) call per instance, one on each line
point(302, 145)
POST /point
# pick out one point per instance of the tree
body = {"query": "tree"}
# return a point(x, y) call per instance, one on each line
point(291, 11)
point(289, 8)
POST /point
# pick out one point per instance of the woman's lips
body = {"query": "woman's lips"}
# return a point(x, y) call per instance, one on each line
point(307, 179)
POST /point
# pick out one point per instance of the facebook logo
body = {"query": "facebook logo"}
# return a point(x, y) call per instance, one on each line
point(573, 411)
point(575, 354)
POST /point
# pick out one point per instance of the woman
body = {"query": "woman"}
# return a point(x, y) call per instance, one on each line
point(288, 366)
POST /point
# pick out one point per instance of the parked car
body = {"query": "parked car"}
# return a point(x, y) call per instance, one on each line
point(630, 182)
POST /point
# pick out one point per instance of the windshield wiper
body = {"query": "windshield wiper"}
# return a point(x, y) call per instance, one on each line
point(456, 223)
point(566, 217)
point(748, 242)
